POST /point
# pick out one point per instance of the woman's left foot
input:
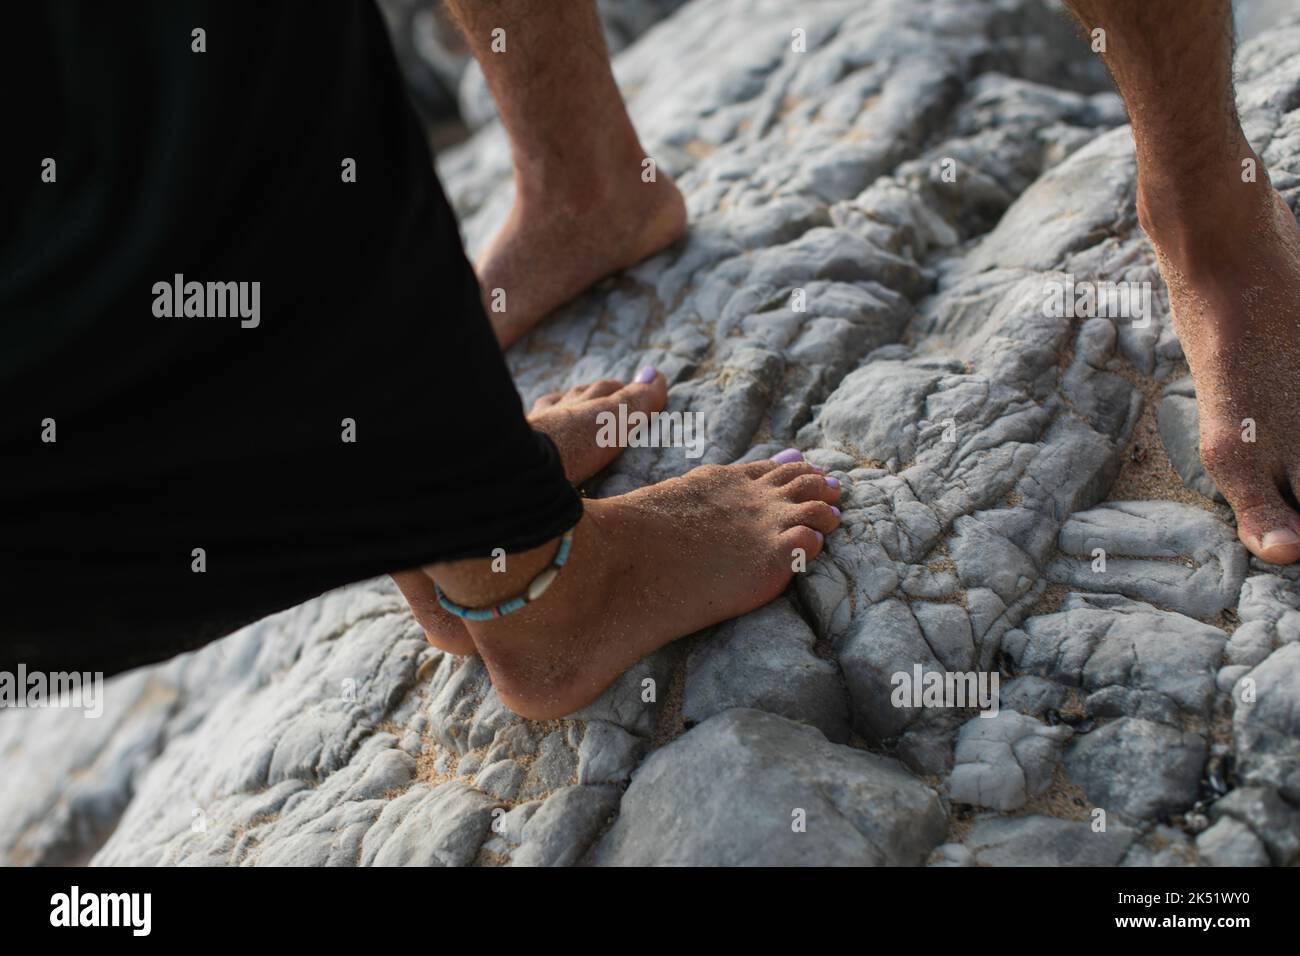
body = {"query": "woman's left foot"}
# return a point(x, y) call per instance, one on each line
point(569, 420)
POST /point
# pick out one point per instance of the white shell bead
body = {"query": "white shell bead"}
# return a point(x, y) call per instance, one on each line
point(541, 583)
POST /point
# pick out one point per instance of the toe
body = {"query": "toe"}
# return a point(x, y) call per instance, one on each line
point(813, 487)
point(650, 396)
point(547, 400)
point(442, 629)
point(818, 515)
point(784, 474)
point(809, 541)
point(606, 386)
point(647, 393)
point(1269, 529)
point(1266, 524)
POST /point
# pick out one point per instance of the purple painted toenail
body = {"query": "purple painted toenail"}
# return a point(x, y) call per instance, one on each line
point(820, 537)
point(832, 481)
point(836, 510)
point(645, 376)
point(787, 456)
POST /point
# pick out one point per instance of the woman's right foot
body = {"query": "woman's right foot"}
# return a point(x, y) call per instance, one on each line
point(646, 568)
point(570, 420)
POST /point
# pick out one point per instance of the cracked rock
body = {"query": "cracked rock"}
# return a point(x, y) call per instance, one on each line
point(1180, 431)
point(1046, 841)
point(750, 788)
point(1002, 761)
point(1132, 659)
point(1137, 769)
point(1163, 552)
point(765, 660)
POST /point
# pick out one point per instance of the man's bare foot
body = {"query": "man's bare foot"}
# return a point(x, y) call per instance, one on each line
point(569, 420)
point(1230, 254)
point(558, 241)
point(647, 568)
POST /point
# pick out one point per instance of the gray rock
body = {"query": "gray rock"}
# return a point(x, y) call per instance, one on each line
point(1136, 769)
point(1180, 431)
point(1250, 644)
point(738, 788)
point(1275, 821)
point(608, 753)
point(560, 832)
point(1131, 658)
point(765, 660)
point(440, 827)
point(1228, 676)
point(509, 825)
point(1002, 761)
point(1033, 696)
point(555, 766)
point(1162, 846)
point(1230, 843)
point(503, 779)
point(951, 854)
point(1266, 729)
point(1046, 841)
point(1164, 552)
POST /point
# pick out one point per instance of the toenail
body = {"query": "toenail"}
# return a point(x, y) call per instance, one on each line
point(820, 537)
point(1279, 539)
point(832, 481)
point(787, 456)
point(645, 376)
point(836, 510)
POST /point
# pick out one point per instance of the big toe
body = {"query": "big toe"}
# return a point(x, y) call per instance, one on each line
point(1266, 525)
point(647, 392)
point(1246, 475)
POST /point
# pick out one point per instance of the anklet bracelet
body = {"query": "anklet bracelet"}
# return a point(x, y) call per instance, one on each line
point(536, 588)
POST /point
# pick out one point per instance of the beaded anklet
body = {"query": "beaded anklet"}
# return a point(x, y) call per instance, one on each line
point(536, 588)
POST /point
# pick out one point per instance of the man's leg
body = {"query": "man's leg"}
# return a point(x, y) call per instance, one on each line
point(1228, 247)
point(582, 209)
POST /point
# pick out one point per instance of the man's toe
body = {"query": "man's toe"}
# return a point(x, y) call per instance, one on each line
point(1266, 524)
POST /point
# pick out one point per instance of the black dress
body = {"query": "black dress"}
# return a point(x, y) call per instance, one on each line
point(230, 378)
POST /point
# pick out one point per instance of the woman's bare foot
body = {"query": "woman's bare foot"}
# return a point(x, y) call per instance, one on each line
point(559, 241)
point(569, 419)
point(1230, 254)
point(646, 568)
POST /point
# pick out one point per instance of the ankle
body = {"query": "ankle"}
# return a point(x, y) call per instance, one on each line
point(601, 175)
point(539, 658)
point(1196, 218)
point(576, 594)
point(487, 582)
